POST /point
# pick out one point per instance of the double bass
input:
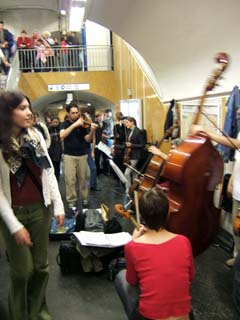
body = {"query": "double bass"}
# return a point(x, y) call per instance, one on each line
point(151, 170)
point(194, 169)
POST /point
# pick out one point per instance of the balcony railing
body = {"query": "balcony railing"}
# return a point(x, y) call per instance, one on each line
point(74, 58)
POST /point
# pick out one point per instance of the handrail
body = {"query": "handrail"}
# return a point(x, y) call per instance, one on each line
point(13, 75)
point(71, 58)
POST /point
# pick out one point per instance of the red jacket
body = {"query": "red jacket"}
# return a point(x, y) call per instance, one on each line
point(23, 43)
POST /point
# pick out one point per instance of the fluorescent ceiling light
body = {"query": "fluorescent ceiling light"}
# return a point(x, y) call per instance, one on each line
point(69, 96)
point(76, 18)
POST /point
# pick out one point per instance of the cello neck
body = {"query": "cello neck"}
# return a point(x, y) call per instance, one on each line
point(166, 135)
point(222, 60)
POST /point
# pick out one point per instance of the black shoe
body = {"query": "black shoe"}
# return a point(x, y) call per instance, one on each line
point(95, 189)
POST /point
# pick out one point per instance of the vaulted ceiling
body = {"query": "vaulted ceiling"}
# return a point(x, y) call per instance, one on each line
point(177, 38)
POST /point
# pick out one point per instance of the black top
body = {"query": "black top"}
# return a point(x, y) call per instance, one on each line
point(119, 132)
point(55, 149)
point(138, 142)
point(102, 128)
point(74, 143)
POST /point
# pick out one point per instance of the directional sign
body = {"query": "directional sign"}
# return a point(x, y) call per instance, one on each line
point(68, 87)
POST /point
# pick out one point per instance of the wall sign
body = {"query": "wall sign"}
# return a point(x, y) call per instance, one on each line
point(68, 87)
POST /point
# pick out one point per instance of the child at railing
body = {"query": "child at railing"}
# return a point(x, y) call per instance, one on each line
point(64, 54)
point(41, 57)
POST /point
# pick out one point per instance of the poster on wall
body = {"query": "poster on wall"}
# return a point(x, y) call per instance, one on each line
point(132, 108)
point(211, 116)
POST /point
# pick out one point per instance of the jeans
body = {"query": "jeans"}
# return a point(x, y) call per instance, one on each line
point(93, 171)
point(29, 270)
point(130, 174)
point(128, 294)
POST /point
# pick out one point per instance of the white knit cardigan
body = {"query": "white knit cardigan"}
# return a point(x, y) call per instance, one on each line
point(50, 190)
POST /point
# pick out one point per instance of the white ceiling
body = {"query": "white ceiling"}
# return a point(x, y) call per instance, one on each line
point(178, 38)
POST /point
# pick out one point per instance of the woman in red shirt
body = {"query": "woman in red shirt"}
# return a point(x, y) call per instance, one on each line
point(159, 263)
point(23, 45)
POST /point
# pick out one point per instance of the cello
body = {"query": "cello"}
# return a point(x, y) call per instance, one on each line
point(194, 169)
point(152, 169)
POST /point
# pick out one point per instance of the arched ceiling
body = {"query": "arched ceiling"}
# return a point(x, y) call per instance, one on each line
point(55, 100)
point(177, 38)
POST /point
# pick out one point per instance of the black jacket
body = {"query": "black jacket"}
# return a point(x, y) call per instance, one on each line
point(138, 142)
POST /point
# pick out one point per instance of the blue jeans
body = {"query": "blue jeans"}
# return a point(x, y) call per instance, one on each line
point(93, 171)
point(128, 294)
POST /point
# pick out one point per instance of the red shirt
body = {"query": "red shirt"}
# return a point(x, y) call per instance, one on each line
point(25, 41)
point(164, 273)
point(28, 192)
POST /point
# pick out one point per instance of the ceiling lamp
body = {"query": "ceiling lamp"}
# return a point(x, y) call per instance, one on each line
point(76, 18)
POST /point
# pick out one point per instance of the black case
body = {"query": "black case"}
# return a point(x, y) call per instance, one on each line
point(68, 258)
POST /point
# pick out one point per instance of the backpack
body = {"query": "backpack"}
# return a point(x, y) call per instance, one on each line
point(93, 221)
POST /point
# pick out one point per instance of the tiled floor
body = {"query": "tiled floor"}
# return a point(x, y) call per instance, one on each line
point(90, 297)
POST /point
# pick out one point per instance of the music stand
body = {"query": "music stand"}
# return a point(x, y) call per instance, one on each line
point(118, 172)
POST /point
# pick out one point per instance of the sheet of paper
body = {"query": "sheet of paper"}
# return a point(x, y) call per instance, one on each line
point(104, 148)
point(116, 239)
point(100, 239)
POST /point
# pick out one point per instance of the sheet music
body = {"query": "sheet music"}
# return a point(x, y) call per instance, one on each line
point(118, 238)
point(104, 148)
point(100, 239)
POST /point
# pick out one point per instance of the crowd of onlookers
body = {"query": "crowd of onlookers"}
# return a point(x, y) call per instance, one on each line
point(38, 52)
point(116, 134)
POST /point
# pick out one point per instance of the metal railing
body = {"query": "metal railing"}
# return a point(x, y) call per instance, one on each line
point(74, 58)
point(13, 75)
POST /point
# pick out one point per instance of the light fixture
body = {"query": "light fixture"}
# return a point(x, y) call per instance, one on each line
point(69, 98)
point(76, 18)
point(63, 12)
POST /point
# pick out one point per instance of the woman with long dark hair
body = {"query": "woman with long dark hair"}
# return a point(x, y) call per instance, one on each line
point(27, 187)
